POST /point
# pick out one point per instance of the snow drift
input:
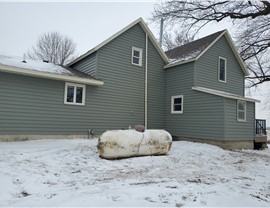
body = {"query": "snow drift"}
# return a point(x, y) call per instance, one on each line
point(117, 144)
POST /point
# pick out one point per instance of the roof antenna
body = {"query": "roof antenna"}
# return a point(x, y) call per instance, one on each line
point(161, 32)
point(24, 58)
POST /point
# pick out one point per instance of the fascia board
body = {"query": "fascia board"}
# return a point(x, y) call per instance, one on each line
point(154, 41)
point(146, 30)
point(224, 94)
point(176, 64)
point(237, 55)
point(195, 59)
point(33, 73)
point(232, 46)
point(105, 42)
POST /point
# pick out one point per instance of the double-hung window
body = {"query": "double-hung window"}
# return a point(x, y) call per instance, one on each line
point(74, 94)
point(136, 58)
point(241, 110)
point(222, 67)
point(177, 104)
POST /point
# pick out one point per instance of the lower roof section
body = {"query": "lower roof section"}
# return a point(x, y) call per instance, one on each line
point(224, 94)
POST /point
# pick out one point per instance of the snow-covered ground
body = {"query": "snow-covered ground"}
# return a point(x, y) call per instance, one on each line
point(70, 173)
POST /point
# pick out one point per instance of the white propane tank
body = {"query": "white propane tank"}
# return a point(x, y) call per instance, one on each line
point(116, 144)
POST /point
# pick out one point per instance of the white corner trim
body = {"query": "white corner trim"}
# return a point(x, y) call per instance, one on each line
point(47, 75)
point(144, 27)
point(224, 94)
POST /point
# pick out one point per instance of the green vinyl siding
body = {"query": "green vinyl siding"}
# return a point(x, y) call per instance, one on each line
point(236, 130)
point(32, 106)
point(206, 69)
point(202, 115)
point(156, 89)
point(122, 96)
point(87, 65)
point(123, 91)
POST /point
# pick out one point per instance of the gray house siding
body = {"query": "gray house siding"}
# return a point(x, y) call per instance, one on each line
point(156, 89)
point(87, 65)
point(208, 116)
point(35, 106)
point(206, 69)
point(122, 96)
point(235, 130)
point(202, 117)
point(202, 113)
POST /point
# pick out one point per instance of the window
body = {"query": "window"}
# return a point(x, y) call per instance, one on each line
point(136, 56)
point(177, 104)
point(222, 69)
point(241, 110)
point(74, 94)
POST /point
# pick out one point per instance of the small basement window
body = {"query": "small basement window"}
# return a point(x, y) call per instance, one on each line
point(177, 104)
point(74, 94)
point(222, 66)
point(241, 110)
point(136, 56)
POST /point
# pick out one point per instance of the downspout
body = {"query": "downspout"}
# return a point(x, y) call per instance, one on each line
point(146, 78)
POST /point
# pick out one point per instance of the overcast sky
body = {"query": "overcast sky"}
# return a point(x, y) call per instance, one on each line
point(87, 23)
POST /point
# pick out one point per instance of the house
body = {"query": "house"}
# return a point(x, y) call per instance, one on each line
point(196, 91)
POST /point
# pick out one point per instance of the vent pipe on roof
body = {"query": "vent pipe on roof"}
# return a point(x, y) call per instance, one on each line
point(24, 58)
point(161, 32)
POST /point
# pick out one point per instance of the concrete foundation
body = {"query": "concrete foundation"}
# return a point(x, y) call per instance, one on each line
point(234, 145)
point(14, 138)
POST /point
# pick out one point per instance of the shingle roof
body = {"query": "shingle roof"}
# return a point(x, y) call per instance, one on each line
point(191, 50)
point(36, 68)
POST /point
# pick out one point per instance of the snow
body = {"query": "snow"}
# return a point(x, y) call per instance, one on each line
point(33, 65)
point(186, 57)
point(129, 143)
point(70, 173)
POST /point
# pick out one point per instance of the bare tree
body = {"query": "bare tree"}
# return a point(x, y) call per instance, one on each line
point(54, 48)
point(251, 20)
point(171, 41)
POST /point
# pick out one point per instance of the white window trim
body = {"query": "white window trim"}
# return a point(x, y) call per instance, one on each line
point(245, 106)
point(75, 87)
point(140, 57)
point(224, 81)
point(172, 104)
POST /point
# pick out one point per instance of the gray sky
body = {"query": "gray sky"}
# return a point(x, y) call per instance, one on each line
point(88, 23)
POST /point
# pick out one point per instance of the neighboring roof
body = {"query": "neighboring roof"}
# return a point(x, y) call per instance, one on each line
point(146, 30)
point(224, 94)
point(194, 50)
point(44, 70)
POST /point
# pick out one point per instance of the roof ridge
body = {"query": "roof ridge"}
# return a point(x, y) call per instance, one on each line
point(139, 21)
point(192, 50)
point(199, 39)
